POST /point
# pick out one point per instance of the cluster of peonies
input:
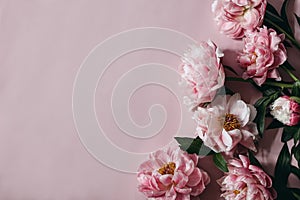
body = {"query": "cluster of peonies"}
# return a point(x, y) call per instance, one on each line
point(224, 123)
point(227, 121)
point(263, 49)
point(172, 174)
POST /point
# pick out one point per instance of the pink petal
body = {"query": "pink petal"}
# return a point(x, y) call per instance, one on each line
point(195, 178)
point(166, 179)
point(248, 140)
point(171, 194)
point(180, 179)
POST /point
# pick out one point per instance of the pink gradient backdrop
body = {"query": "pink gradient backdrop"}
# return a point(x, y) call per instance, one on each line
point(42, 45)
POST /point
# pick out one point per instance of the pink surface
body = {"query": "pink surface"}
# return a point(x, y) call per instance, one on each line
point(43, 44)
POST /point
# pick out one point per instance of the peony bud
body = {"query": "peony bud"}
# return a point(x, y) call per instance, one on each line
point(286, 110)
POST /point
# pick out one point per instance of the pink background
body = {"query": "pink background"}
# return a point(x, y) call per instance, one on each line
point(42, 45)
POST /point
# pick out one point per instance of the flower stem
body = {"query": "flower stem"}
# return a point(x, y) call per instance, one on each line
point(271, 83)
point(279, 84)
point(274, 16)
point(289, 73)
point(291, 38)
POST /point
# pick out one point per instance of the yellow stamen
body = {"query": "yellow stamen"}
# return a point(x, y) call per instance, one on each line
point(231, 122)
point(167, 168)
point(236, 192)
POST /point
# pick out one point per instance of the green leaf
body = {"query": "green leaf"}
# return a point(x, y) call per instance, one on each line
point(260, 102)
point(269, 91)
point(296, 89)
point(260, 120)
point(295, 171)
point(297, 18)
point(274, 17)
point(189, 144)
point(288, 133)
point(193, 145)
point(275, 124)
point(282, 172)
point(283, 10)
point(261, 106)
point(283, 167)
point(297, 136)
point(277, 23)
point(295, 192)
point(296, 152)
point(261, 112)
point(271, 9)
point(220, 162)
point(253, 160)
point(284, 193)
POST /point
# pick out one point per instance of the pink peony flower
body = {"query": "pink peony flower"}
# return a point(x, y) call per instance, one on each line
point(245, 181)
point(222, 126)
point(286, 110)
point(171, 174)
point(202, 74)
point(262, 54)
point(235, 17)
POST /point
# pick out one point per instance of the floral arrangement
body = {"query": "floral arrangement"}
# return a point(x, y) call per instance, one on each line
point(228, 128)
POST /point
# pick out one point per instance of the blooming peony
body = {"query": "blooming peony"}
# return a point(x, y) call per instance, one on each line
point(245, 181)
point(171, 174)
point(222, 126)
point(202, 74)
point(263, 52)
point(286, 110)
point(235, 17)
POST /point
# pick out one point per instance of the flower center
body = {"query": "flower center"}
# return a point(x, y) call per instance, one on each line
point(236, 192)
point(167, 168)
point(253, 58)
point(231, 122)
